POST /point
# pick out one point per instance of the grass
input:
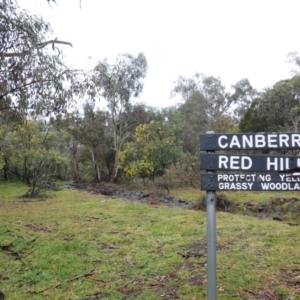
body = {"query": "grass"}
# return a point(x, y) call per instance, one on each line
point(188, 193)
point(191, 193)
point(258, 196)
point(81, 246)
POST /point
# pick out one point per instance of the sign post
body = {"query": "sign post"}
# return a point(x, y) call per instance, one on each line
point(281, 175)
point(211, 238)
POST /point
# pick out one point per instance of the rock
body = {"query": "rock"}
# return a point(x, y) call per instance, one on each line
point(182, 201)
point(260, 207)
point(247, 212)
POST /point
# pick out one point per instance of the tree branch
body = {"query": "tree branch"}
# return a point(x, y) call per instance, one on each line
point(39, 46)
point(42, 45)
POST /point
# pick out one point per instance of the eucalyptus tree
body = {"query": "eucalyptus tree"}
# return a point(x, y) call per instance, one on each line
point(205, 106)
point(220, 104)
point(33, 77)
point(294, 58)
point(118, 83)
point(242, 97)
point(211, 101)
point(254, 120)
point(89, 129)
point(277, 108)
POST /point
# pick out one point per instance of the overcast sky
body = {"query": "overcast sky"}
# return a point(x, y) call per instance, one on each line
point(230, 39)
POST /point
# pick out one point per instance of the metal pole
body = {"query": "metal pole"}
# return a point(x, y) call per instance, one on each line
point(211, 240)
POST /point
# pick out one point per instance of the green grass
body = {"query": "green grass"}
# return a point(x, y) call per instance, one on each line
point(191, 193)
point(81, 246)
point(258, 196)
point(188, 193)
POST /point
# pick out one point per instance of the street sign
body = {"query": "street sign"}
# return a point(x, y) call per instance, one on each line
point(256, 141)
point(250, 182)
point(251, 163)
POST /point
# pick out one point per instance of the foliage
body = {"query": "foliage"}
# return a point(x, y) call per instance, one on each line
point(155, 149)
point(277, 109)
point(205, 106)
point(33, 78)
point(185, 172)
point(117, 84)
point(132, 165)
point(30, 155)
point(294, 58)
point(243, 96)
point(252, 120)
point(90, 130)
point(208, 96)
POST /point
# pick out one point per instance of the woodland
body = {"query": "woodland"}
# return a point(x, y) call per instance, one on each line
point(53, 127)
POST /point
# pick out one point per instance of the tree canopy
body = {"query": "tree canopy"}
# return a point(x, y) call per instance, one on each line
point(276, 109)
point(33, 77)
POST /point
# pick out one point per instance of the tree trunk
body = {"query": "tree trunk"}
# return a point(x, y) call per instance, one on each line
point(73, 150)
point(114, 172)
point(96, 168)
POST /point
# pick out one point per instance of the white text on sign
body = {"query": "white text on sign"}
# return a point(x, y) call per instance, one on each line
point(242, 162)
point(259, 141)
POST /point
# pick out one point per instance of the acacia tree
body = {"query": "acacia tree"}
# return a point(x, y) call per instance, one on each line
point(153, 151)
point(118, 84)
point(30, 153)
point(33, 78)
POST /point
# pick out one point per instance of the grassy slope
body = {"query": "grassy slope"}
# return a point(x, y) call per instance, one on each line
point(75, 245)
point(237, 196)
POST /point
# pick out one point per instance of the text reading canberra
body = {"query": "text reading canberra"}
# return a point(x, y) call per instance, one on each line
point(250, 141)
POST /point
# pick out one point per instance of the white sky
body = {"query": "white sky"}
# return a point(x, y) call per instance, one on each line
point(230, 39)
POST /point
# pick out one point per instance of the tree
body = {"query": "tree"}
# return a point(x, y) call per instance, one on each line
point(220, 104)
point(90, 130)
point(30, 154)
point(282, 103)
point(294, 58)
point(243, 96)
point(33, 78)
point(117, 84)
point(253, 120)
point(210, 94)
point(205, 106)
point(154, 150)
point(277, 108)
point(184, 86)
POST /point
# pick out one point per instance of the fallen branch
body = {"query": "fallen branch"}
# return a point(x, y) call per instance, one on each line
point(69, 280)
point(28, 253)
point(95, 279)
point(7, 249)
